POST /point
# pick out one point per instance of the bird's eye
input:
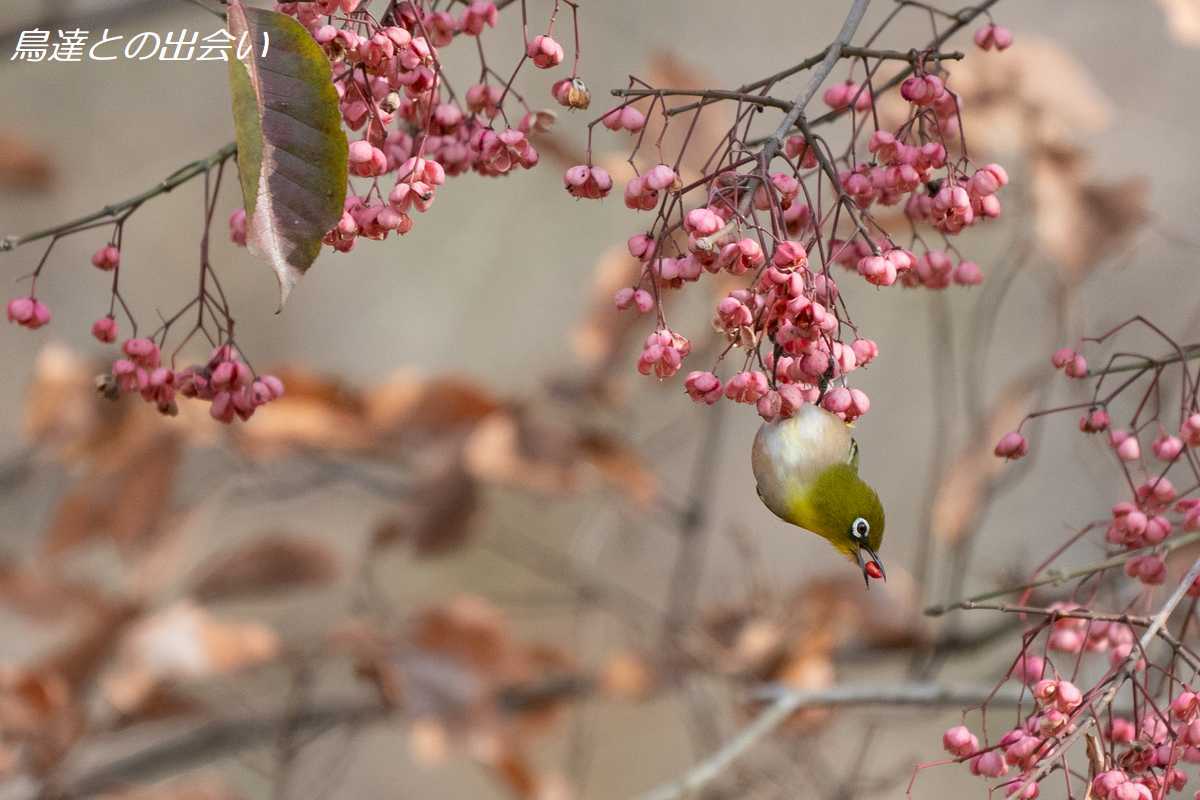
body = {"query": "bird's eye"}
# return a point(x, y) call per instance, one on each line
point(860, 530)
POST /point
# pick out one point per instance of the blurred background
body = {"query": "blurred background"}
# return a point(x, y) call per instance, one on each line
point(466, 498)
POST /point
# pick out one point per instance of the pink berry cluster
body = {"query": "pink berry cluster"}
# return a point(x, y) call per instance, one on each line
point(1155, 510)
point(757, 223)
point(1155, 450)
point(1149, 755)
point(411, 124)
point(1070, 634)
point(992, 36)
point(227, 382)
point(412, 128)
point(28, 312)
point(1023, 747)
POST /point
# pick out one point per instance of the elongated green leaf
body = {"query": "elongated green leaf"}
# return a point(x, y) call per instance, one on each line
point(291, 148)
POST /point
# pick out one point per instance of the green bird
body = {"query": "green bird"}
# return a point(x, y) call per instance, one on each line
point(806, 468)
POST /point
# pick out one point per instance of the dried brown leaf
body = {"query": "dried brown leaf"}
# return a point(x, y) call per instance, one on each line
point(470, 630)
point(620, 466)
point(752, 645)
point(183, 642)
point(604, 330)
point(409, 406)
point(29, 698)
point(39, 713)
point(41, 705)
point(514, 771)
point(668, 71)
point(62, 414)
point(1080, 222)
point(460, 672)
point(515, 449)
point(124, 497)
point(842, 616)
point(270, 563)
point(435, 516)
point(23, 166)
point(746, 643)
point(42, 595)
point(1013, 106)
point(80, 659)
point(316, 413)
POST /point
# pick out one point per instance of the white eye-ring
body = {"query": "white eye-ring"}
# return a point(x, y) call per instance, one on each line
point(860, 530)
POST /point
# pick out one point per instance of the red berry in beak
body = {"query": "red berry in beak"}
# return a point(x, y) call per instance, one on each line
point(873, 569)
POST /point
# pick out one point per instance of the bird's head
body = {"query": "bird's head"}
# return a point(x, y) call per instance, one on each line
point(843, 509)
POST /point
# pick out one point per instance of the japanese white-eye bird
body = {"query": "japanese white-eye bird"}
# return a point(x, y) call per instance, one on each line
point(806, 467)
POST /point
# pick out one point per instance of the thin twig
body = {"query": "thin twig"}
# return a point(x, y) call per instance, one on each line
point(178, 177)
point(1188, 353)
point(774, 143)
point(1057, 578)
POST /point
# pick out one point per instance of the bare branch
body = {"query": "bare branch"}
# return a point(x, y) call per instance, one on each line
point(788, 702)
point(1057, 577)
point(177, 178)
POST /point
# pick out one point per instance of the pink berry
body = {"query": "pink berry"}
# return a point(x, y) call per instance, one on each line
point(703, 387)
point(1167, 448)
point(631, 119)
point(361, 152)
point(106, 258)
point(1077, 367)
point(1062, 357)
point(968, 273)
point(20, 310)
point(237, 227)
point(587, 182)
point(1012, 445)
point(1094, 421)
point(105, 329)
point(990, 764)
point(1125, 444)
point(959, 741)
point(28, 312)
point(1185, 706)
point(544, 52)
point(1028, 669)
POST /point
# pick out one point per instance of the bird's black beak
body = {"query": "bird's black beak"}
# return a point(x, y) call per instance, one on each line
point(872, 567)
